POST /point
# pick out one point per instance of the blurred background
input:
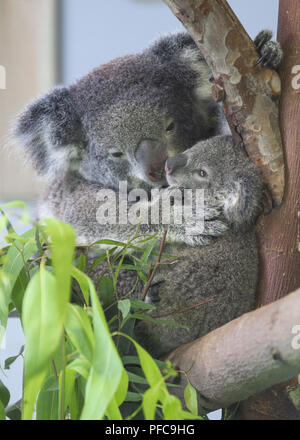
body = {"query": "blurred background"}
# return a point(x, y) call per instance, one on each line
point(48, 42)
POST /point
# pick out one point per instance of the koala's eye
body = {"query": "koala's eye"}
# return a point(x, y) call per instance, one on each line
point(170, 127)
point(200, 174)
point(117, 154)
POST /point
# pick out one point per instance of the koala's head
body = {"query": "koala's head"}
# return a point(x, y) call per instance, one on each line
point(225, 174)
point(124, 119)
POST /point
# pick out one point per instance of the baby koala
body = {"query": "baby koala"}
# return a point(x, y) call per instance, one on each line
point(223, 271)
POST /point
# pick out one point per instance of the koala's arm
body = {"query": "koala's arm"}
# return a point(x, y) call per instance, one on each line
point(76, 201)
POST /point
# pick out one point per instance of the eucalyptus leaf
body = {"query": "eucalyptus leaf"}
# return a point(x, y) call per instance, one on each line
point(4, 394)
point(124, 307)
point(2, 411)
point(79, 330)
point(47, 402)
point(13, 412)
point(107, 368)
point(9, 361)
point(17, 255)
point(190, 398)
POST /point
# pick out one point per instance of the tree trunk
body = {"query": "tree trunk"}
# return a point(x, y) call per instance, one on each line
point(244, 356)
point(248, 90)
point(279, 233)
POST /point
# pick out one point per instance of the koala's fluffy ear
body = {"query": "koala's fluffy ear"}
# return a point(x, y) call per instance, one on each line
point(50, 130)
point(173, 45)
point(243, 200)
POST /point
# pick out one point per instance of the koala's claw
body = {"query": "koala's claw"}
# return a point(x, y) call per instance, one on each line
point(270, 51)
point(271, 54)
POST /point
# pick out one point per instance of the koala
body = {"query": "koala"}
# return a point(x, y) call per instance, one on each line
point(124, 119)
point(225, 271)
point(122, 122)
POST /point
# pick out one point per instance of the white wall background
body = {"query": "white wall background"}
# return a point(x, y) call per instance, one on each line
point(95, 31)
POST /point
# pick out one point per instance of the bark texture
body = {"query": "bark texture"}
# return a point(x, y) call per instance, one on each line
point(249, 96)
point(279, 233)
point(250, 91)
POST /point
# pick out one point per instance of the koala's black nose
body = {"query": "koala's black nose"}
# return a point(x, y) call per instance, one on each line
point(175, 162)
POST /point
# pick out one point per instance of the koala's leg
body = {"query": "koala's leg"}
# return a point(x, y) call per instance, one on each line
point(270, 51)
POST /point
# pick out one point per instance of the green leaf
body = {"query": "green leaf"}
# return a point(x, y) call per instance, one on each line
point(135, 360)
point(81, 366)
point(190, 398)
point(117, 244)
point(81, 280)
point(32, 385)
point(124, 307)
point(133, 397)
point(132, 267)
point(5, 220)
point(47, 402)
point(4, 394)
point(112, 411)
point(17, 204)
point(42, 323)
point(68, 390)
point(44, 307)
point(62, 237)
point(172, 408)
point(2, 411)
point(107, 368)
point(12, 359)
point(150, 399)
point(111, 242)
point(147, 253)
point(79, 330)
point(42, 319)
point(135, 378)
point(171, 405)
point(142, 276)
point(81, 262)
point(17, 254)
point(106, 291)
point(13, 412)
point(19, 289)
point(122, 388)
point(101, 258)
point(138, 304)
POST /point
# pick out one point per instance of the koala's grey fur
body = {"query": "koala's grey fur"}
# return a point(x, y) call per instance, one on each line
point(85, 137)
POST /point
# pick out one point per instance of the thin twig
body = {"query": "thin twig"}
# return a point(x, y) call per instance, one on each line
point(184, 310)
point(156, 266)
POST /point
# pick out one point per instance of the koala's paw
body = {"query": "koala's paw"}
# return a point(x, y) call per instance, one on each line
point(207, 234)
point(270, 51)
point(153, 293)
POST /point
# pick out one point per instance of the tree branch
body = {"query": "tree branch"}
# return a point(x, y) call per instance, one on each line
point(250, 94)
point(243, 357)
point(279, 233)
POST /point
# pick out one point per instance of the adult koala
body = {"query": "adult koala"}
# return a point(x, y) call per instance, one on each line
point(124, 119)
point(122, 122)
